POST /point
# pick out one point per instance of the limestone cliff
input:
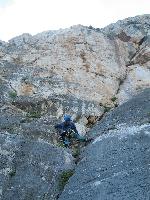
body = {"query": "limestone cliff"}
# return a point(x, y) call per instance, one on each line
point(83, 71)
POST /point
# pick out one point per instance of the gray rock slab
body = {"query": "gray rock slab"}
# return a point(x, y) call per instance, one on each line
point(135, 111)
point(29, 170)
point(114, 167)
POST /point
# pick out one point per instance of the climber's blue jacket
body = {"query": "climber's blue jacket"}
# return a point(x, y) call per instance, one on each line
point(65, 126)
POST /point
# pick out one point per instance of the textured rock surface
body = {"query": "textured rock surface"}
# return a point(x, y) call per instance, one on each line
point(23, 108)
point(135, 34)
point(82, 71)
point(29, 169)
point(116, 165)
point(134, 112)
point(75, 57)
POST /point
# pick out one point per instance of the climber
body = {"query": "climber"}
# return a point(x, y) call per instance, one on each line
point(65, 127)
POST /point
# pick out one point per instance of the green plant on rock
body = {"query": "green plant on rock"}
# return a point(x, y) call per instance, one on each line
point(13, 94)
point(12, 173)
point(114, 99)
point(60, 144)
point(107, 109)
point(76, 152)
point(33, 114)
point(64, 177)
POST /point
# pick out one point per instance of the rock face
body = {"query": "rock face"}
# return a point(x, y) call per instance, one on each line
point(97, 67)
point(134, 112)
point(135, 34)
point(30, 169)
point(73, 58)
point(116, 165)
point(84, 72)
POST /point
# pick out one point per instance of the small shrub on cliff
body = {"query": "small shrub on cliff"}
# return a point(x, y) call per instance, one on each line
point(34, 114)
point(107, 109)
point(64, 177)
point(114, 99)
point(12, 173)
point(76, 152)
point(13, 94)
point(60, 144)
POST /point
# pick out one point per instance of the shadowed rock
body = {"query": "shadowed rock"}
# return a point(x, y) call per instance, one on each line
point(30, 170)
point(116, 165)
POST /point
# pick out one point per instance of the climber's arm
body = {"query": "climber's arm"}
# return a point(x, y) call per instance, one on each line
point(58, 126)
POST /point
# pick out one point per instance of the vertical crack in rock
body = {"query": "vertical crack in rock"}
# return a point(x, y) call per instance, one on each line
point(140, 48)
